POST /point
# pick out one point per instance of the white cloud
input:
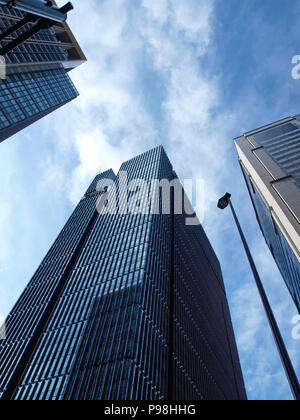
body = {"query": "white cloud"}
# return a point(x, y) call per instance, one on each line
point(250, 314)
point(96, 154)
point(5, 214)
point(109, 122)
point(157, 10)
point(194, 18)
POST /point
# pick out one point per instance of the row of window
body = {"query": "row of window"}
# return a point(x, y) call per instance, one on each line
point(38, 50)
point(26, 94)
point(275, 132)
point(283, 145)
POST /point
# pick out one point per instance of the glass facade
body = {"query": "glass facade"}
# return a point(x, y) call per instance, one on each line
point(127, 307)
point(282, 144)
point(280, 249)
point(30, 92)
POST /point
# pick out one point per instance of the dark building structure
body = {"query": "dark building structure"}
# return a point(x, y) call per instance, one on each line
point(127, 305)
point(36, 82)
point(270, 161)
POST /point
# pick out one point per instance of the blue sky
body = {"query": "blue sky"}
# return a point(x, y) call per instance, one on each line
point(188, 74)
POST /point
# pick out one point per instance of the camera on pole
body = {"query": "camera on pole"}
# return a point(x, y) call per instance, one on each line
point(41, 14)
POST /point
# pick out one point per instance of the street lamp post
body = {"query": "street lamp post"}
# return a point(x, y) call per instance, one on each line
point(286, 361)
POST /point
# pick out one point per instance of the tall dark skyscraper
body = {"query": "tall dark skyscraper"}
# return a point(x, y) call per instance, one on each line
point(128, 304)
point(270, 161)
point(37, 81)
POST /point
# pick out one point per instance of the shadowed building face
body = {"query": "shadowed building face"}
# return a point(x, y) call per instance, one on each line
point(270, 161)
